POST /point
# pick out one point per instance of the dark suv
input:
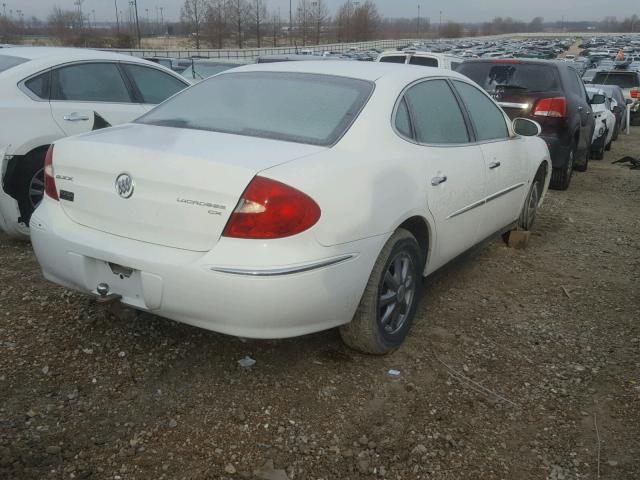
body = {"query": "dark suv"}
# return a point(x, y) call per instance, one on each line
point(549, 92)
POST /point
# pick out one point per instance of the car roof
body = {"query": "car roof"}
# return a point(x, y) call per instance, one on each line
point(369, 71)
point(61, 54)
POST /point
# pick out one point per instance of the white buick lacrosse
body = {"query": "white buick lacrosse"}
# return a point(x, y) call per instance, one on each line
point(278, 200)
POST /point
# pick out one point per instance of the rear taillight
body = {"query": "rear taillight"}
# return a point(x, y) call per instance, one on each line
point(635, 93)
point(551, 107)
point(270, 209)
point(49, 180)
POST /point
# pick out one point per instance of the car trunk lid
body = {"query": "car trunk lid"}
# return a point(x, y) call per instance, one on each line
point(167, 186)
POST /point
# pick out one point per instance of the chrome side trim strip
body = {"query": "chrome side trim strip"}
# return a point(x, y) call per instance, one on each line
point(504, 192)
point(272, 272)
point(467, 208)
point(521, 106)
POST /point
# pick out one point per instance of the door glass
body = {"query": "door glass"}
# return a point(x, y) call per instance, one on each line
point(437, 115)
point(90, 82)
point(486, 116)
point(424, 61)
point(154, 86)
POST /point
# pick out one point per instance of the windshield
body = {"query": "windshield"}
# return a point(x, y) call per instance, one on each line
point(623, 80)
point(295, 107)
point(513, 76)
point(7, 61)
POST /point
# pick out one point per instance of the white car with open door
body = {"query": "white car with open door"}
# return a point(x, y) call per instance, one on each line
point(50, 93)
point(282, 199)
point(605, 122)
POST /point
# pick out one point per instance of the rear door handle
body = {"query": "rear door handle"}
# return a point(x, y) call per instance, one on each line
point(435, 181)
point(74, 117)
point(493, 165)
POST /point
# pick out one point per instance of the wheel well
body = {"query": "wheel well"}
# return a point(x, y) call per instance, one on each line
point(420, 230)
point(14, 169)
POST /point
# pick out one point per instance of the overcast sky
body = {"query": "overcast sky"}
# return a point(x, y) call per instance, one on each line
point(457, 10)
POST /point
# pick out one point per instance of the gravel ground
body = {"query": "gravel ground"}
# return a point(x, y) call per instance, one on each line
point(523, 364)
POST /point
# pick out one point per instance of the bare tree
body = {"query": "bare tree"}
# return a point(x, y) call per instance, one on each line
point(275, 24)
point(304, 19)
point(258, 14)
point(193, 14)
point(319, 14)
point(238, 11)
point(366, 21)
point(216, 25)
point(63, 24)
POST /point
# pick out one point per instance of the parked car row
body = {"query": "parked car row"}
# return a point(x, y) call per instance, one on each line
point(253, 188)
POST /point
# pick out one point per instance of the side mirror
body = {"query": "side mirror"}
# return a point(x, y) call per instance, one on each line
point(526, 128)
point(628, 101)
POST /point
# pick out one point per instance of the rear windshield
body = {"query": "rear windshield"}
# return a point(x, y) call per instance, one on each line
point(6, 62)
point(294, 107)
point(623, 80)
point(511, 76)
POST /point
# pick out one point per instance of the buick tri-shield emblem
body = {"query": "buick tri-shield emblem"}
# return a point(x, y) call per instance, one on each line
point(124, 185)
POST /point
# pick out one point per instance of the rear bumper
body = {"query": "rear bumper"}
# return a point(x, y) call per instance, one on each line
point(196, 288)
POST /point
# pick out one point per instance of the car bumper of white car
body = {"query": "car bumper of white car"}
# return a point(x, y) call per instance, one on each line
point(263, 301)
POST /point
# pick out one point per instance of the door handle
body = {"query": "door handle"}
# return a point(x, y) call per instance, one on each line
point(493, 165)
point(435, 181)
point(74, 117)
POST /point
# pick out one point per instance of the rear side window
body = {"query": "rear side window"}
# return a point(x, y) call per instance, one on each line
point(89, 82)
point(623, 80)
point(424, 61)
point(7, 61)
point(39, 85)
point(293, 107)
point(154, 86)
point(511, 76)
point(487, 118)
point(436, 114)
point(403, 120)
point(394, 59)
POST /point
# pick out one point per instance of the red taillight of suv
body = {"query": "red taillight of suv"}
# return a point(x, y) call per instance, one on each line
point(269, 209)
point(49, 180)
point(551, 107)
point(635, 93)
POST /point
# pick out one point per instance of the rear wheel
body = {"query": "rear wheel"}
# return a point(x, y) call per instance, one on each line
point(561, 177)
point(388, 305)
point(599, 153)
point(616, 131)
point(30, 183)
point(530, 207)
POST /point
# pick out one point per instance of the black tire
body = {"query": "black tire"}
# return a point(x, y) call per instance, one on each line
point(29, 183)
point(583, 167)
point(366, 332)
point(561, 177)
point(530, 207)
point(598, 154)
point(635, 121)
point(616, 131)
point(608, 147)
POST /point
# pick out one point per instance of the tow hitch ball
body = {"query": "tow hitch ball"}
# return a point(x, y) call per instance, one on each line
point(104, 297)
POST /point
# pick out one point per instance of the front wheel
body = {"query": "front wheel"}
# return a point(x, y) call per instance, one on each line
point(388, 305)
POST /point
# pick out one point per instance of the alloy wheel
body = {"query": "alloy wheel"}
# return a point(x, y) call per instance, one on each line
point(396, 293)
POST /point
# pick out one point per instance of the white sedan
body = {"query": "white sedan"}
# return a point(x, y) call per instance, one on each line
point(48, 93)
point(282, 199)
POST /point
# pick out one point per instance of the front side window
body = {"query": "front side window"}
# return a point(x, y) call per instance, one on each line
point(487, 118)
point(154, 86)
point(295, 107)
point(436, 114)
point(89, 82)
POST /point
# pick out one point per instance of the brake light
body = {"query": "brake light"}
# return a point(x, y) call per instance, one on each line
point(635, 93)
point(49, 180)
point(269, 209)
point(551, 107)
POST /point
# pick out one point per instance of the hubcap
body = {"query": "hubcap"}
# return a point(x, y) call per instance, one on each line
point(36, 188)
point(396, 293)
point(532, 205)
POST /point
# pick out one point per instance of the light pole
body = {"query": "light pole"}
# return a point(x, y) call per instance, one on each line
point(4, 10)
point(162, 18)
point(290, 22)
point(440, 26)
point(115, 4)
point(418, 23)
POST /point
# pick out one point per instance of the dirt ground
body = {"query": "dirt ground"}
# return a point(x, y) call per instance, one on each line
point(521, 365)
